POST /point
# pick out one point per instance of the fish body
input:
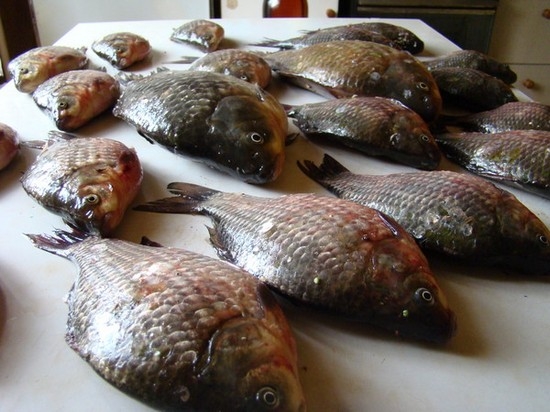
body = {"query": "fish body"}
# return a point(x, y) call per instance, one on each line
point(227, 123)
point(374, 125)
point(241, 64)
point(203, 34)
point(520, 158)
point(472, 89)
point(9, 145)
point(122, 49)
point(455, 214)
point(73, 98)
point(178, 330)
point(474, 59)
point(88, 181)
point(351, 67)
point(37, 65)
point(328, 253)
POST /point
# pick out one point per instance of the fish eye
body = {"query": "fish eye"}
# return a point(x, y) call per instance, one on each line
point(268, 397)
point(422, 86)
point(424, 138)
point(543, 239)
point(24, 70)
point(91, 199)
point(63, 105)
point(256, 137)
point(244, 77)
point(423, 295)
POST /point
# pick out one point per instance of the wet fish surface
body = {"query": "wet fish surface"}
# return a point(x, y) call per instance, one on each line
point(73, 98)
point(166, 326)
point(455, 214)
point(122, 49)
point(403, 37)
point(88, 181)
point(378, 70)
point(374, 125)
point(203, 34)
point(324, 252)
point(9, 145)
point(224, 122)
point(520, 158)
point(37, 65)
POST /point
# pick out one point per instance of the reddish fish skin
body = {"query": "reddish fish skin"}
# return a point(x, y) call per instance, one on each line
point(122, 49)
point(9, 145)
point(329, 253)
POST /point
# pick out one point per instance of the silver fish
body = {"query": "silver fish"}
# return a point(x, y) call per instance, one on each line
point(204, 34)
point(122, 49)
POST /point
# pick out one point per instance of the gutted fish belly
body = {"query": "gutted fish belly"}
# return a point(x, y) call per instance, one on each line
point(167, 326)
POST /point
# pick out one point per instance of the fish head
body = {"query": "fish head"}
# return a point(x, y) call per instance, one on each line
point(66, 111)
point(27, 74)
point(251, 134)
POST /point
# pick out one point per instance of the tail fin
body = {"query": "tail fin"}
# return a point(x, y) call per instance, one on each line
point(327, 170)
point(60, 244)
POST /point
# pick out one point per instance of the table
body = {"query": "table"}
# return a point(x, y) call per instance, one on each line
point(499, 359)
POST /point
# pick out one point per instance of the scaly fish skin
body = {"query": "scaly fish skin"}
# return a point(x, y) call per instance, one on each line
point(89, 182)
point(227, 123)
point(9, 145)
point(75, 97)
point(176, 329)
point(37, 65)
point(122, 49)
point(403, 37)
point(325, 252)
point(374, 125)
point(204, 34)
point(455, 214)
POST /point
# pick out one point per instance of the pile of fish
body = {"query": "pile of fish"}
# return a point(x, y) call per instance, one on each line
point(186, 323)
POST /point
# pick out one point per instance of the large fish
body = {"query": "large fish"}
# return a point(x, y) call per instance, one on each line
point(325, 252)
point(374, 125)
point(122, 49)
point(204, 34)
point(37, 65)
point(9, 145)
point(73, 98)
point(520, 158)
point(88, 181)
point(352, 67)
point(456, 214)
point(227, 123)
point(176, 329)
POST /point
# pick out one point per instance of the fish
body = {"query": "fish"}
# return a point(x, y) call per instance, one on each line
point(88, 181)
point(474, 59)
point(456, 215)
point(404, 38)
point(35, 66)
point(472, 89)
point(326, 253)
point(9, 145)
point(509, 116)
point(229, 124)
point(376, 126)
point(72, 99)
point(167, 325)
point(519, 158)
point(203, 34)
point(377, 70)
point(122, 49)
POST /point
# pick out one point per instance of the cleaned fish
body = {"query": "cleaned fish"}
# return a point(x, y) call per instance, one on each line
point(9, 145)
point(399, 35)
point(474, 59)
point(472, 89)
point(73, 98)
point(227, 123)
point(37, 65)
point(509, 116)
point(204, 34)
point(329, 253)
point(520, 158)
point(166, 326)
point(122, 49)
point(455, 214)
point(374, 125)
point(88, 181)
point(352, 67)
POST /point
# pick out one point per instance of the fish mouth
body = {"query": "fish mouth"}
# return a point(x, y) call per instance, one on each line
point(265, 173)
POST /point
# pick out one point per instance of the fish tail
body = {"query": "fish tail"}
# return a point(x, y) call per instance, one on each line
point(328, 169)
point(59, 244)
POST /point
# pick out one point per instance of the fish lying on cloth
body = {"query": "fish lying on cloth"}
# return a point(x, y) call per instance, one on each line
point(73, 98)
point(374, 125)
point(9, 145)
point(122, 49)
point(88, 181)
point(227, 123)
point(329, 253)
point(520, 158)
point(377, 70)
point(456, 214)
point(204, 34)
point(37, 65)
point(472, 89)
point(509, 116)
point(177, 330)
point(474, 59)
